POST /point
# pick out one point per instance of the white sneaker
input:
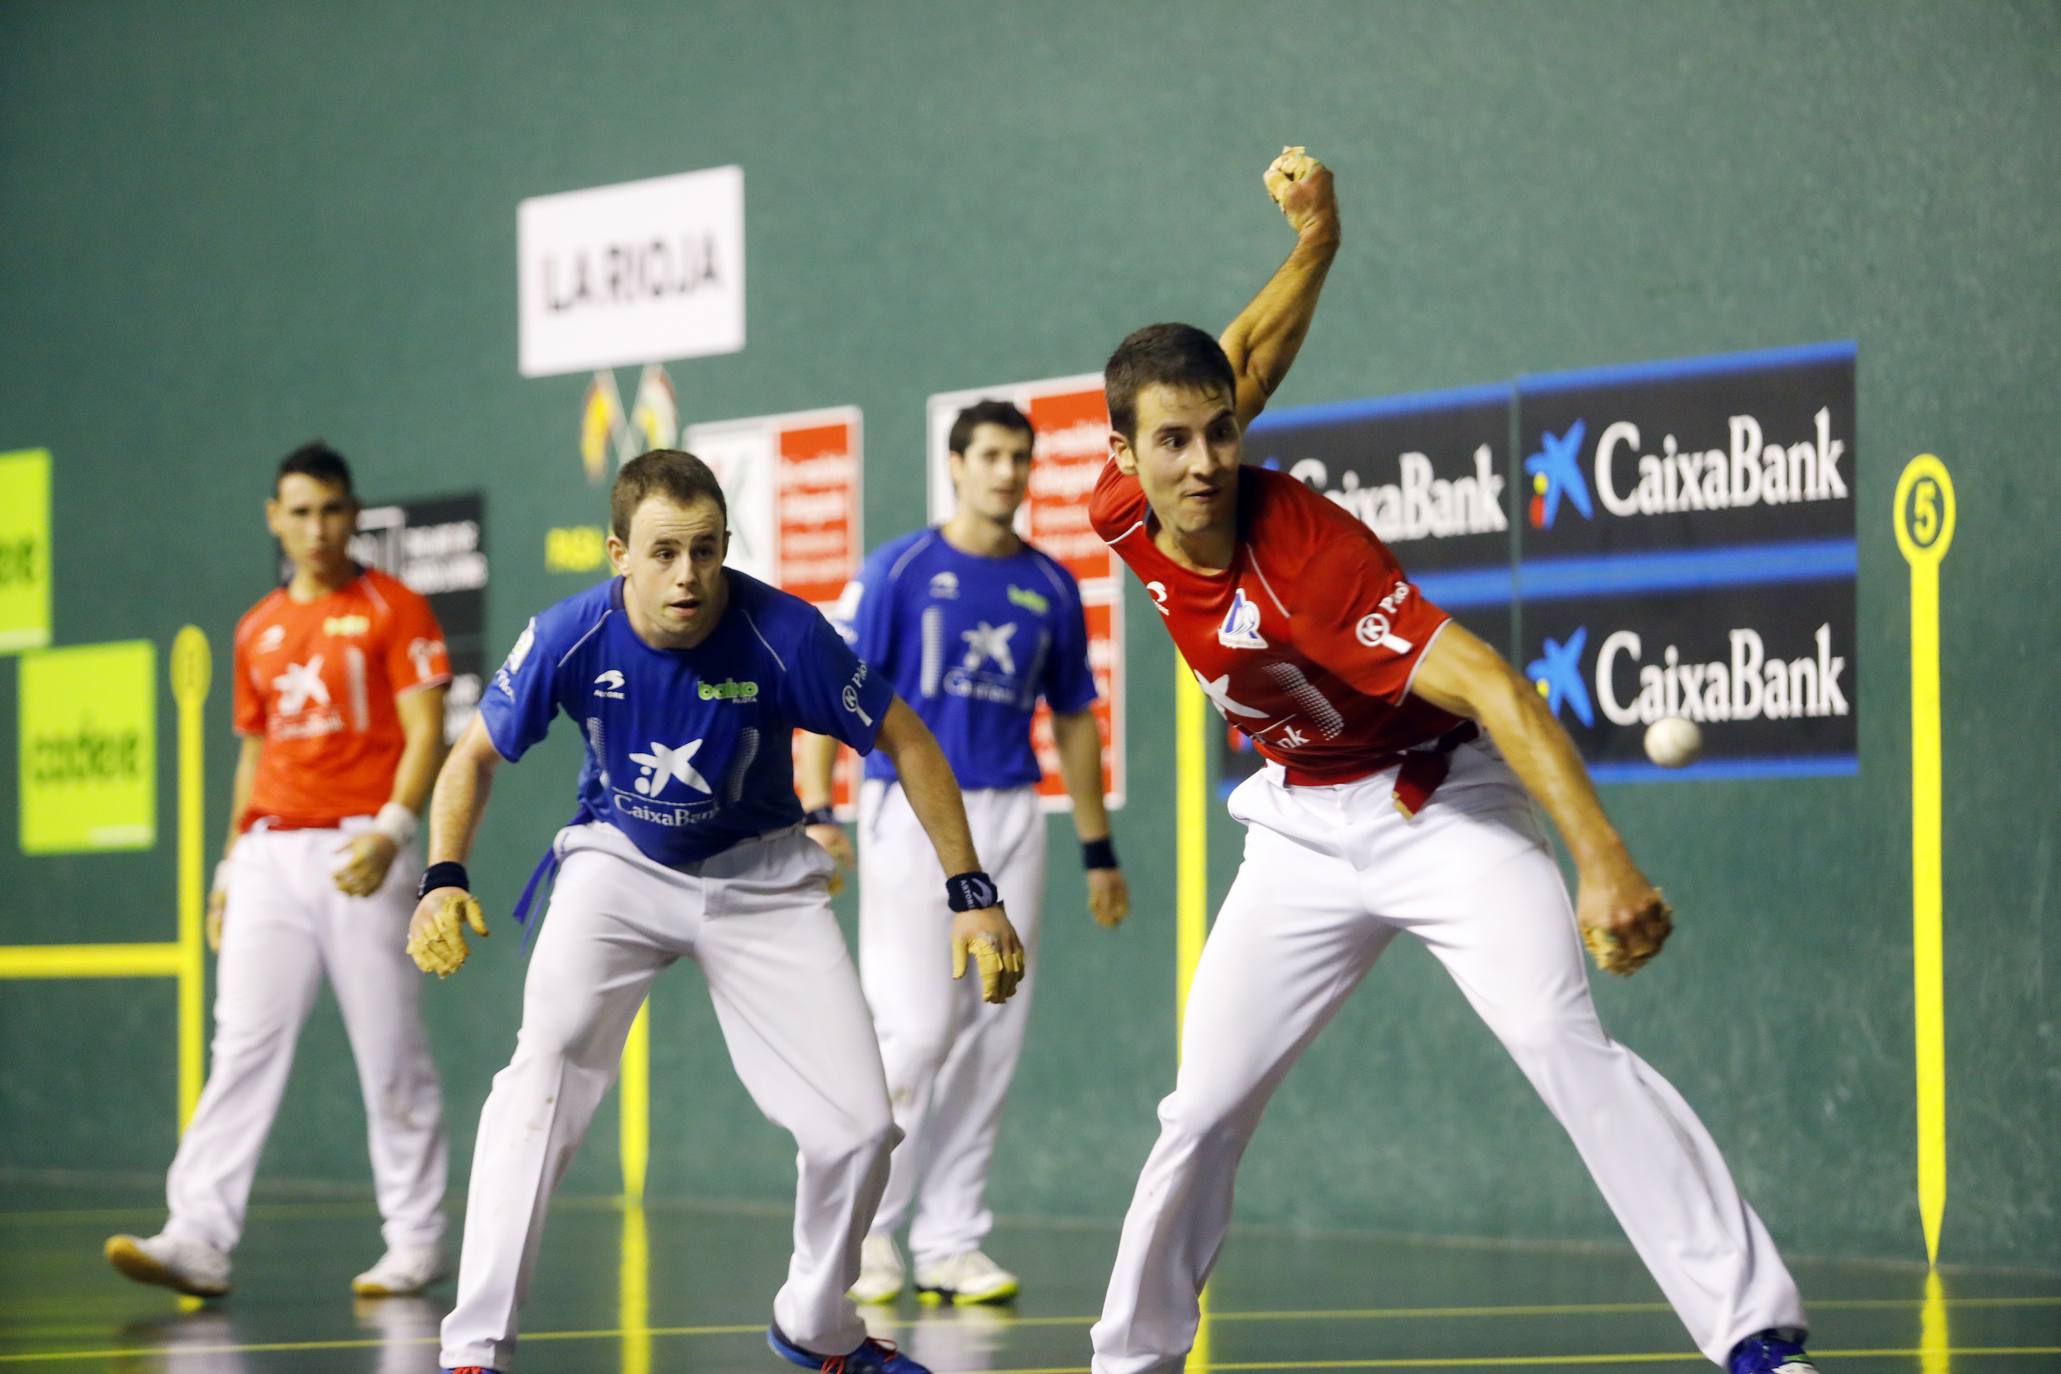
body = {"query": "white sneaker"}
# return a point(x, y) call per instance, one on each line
point(188, 1266)
point(969, 1276)
point(402, 1272)
point(881, 1275)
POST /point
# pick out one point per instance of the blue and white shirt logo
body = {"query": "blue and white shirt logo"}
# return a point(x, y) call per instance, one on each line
point(1241, 627)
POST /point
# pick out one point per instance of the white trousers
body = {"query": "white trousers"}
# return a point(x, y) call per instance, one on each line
point(1330, 875)
point(949, 1056)
point(757, 919)
point(285, 927)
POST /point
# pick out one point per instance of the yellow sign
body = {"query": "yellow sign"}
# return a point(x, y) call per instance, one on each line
point(1924, 529)
point(577, 548)
point(89, 748)
point(24, 550)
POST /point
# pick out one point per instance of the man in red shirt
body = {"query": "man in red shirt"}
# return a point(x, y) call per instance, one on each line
point(1403, 760)
point(339, 696)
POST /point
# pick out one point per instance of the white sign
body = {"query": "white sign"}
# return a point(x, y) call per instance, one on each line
point(635, 273)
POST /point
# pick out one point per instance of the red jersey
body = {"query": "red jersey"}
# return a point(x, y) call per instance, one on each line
point(318, 680)
point(1308, 641)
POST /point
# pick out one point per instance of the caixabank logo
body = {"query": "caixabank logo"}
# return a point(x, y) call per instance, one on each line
point(1705, 451)
point(1426, 472)
point(1767, 672)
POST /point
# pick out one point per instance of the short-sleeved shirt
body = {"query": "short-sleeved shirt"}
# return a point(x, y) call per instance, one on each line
point(1308, 641)
point(688, 751)
point(971, 643)
point(318, 681)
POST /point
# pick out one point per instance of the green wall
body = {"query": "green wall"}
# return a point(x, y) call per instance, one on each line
point(224, 228)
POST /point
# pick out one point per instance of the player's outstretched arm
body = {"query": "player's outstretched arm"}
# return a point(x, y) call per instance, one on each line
point(926, 778)
point(1079, 738)
point(1622, 915)
point(436, 936)
point(1263, 341)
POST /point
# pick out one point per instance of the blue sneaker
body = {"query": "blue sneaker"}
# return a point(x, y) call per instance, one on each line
point(871, 1357)
point(1769, 1352)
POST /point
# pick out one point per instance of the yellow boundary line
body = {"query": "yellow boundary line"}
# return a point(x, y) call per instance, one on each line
point(633, 1104)
point(181, 959)
point(1924, 517)
point(1191, 883)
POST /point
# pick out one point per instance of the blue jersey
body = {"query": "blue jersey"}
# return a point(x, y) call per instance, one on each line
point(688, 750)
point(971, 643)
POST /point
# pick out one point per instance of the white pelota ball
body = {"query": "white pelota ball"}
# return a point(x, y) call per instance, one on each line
point(1673, 742)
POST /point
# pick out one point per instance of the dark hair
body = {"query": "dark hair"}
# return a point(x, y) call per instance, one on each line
point(1162, 355)
point(673, 473)
point(317, 460)
point(986, 413)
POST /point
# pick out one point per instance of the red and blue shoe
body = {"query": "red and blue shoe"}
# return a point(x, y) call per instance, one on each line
point(871, 1357)
point(1769, 1352)
point(469, 1369)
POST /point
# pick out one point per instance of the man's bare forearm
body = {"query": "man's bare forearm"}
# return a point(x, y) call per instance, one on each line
point(460, 798)
point(1079, 738)
point(932, 790)
point(1263, 341)
point(422, 720)
point(816, 770)
point(240, 788)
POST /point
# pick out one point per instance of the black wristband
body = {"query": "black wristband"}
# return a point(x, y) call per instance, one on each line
point(973, 891)
point(1098, 853)
point(822, 815)
point(442, 875)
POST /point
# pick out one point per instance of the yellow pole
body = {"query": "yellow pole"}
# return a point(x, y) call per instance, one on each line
point(636, 1105)
point(1191, 879)
point(1924, 529)
point(633, 1291)
point(192, 669)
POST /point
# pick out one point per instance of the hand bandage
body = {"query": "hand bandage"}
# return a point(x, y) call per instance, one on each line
point(437, 945)
point(988, 957)
point(1617, 954)
point(1294, 164)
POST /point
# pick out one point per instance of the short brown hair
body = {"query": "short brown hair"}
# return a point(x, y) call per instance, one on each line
point(1162, 355)
point(988, 412)
point(673, 473)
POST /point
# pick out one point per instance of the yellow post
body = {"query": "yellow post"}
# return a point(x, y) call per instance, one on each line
point(192, 669)
point(635, 1092)
point(1924, 529)
point(633, 1291)
point(1191, 878)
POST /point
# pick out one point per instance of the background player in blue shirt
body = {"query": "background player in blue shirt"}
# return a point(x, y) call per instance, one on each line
point(687, 681)
point(972, 626)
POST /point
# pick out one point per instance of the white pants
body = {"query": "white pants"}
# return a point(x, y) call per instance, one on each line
point(949, 1056)
point(757, 919)
point(1330, 875)
point(286, 926)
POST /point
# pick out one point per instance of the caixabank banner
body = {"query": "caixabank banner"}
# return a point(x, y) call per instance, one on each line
point(1429, 473)
point(1687, 548)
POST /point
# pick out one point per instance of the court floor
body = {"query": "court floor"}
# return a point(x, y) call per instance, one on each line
point(679, 1286)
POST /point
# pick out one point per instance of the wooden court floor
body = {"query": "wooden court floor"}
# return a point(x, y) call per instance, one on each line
point(676, 1286)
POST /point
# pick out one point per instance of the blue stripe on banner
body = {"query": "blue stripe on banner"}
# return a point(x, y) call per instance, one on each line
point(1461, 588)
point(1717, 770)
point(1375, 407)
point(1809, 560)
point(1674, 369)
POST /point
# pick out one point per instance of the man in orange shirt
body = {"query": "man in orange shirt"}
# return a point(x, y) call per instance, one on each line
point(339, 690)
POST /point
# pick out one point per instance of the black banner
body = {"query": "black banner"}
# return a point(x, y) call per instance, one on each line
point(1698, 453)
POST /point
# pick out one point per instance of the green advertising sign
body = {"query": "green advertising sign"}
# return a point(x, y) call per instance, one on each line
point(89, 748)
point(24, 550)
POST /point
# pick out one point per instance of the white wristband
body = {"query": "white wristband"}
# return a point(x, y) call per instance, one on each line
point(397, 823)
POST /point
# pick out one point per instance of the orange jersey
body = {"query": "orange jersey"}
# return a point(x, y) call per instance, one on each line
point(317, 680)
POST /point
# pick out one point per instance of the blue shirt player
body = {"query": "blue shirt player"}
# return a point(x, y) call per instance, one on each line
point(686, 681)
point(973, 627)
